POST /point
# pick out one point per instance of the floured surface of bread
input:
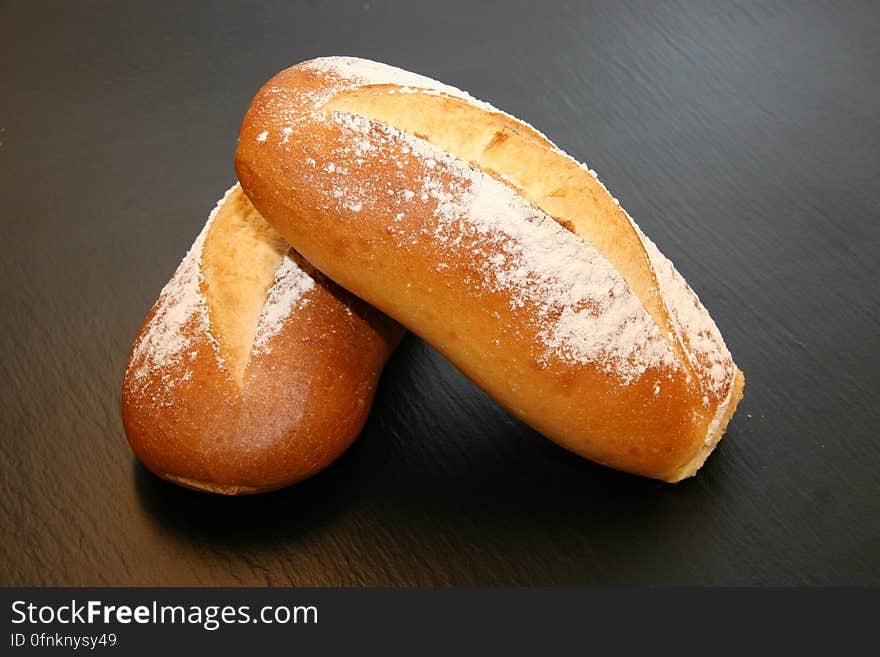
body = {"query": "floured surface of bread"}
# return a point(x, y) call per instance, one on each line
point(474, 231)
point(252, 371)
point(516, 153)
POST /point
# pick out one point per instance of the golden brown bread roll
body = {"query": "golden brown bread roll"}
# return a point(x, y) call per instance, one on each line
point(252, 371)
point(473, 230)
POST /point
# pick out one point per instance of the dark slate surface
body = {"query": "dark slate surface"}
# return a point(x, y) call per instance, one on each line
point(744, 139)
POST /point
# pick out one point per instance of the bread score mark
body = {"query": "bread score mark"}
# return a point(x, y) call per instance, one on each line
point(534, 167)
point(251, 281)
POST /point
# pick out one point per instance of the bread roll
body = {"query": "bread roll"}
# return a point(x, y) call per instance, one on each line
point(252, 371)
point(473, 230)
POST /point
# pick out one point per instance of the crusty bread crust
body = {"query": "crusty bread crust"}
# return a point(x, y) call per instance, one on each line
point(252, 371)
point(473, 230)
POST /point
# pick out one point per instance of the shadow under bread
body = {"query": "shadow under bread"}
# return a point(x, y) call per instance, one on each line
point(439, 463)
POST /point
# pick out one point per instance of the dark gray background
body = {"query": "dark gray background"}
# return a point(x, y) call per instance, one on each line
point(744, 139)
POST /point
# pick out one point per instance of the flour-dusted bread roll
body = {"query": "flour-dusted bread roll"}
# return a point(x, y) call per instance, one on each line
point(473, 230)
point(252, 371)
